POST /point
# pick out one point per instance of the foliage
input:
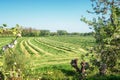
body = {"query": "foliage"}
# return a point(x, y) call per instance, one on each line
point(107, 30)
point(4, 31)
point(61, 32)
point(12, 61)
point(44, 32)
point(30, 32)
point(15, 65)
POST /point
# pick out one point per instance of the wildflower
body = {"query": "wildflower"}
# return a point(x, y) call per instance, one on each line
point(15, 42)
point(50, 72)
point(11, 45)
point(1, 64)
point(19, 35)
point(39, 78)
point(4, 47)
point(15, 63)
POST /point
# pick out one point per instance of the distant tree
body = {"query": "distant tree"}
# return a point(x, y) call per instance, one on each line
point(75, 33)
point(88, 34)
point(53, 33)
point(30, 32)
point(62, 32)
point(24, 32)
point(107, 30)
point(36, 32)
point(44, 32)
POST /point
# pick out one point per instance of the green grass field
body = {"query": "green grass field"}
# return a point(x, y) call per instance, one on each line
point(49, 57)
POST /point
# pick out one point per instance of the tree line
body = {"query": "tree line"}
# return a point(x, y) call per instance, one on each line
point(36, 33)
point(32, 32)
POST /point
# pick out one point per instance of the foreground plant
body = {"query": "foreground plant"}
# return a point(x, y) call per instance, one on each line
point(106, 27)
point(82, 70)
point(9, 59)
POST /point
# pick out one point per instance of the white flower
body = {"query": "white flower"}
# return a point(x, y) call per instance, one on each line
point(11, 45)
point(4, 47)
point(19, 35)
point(15, 63)
point(15, 42)
point(117, 36)
point(19, 70)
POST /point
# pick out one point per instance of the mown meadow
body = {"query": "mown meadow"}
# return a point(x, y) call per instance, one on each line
point(47, 58)
point(36, 54)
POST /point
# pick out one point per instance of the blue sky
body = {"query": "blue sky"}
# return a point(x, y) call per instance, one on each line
point(46, 14)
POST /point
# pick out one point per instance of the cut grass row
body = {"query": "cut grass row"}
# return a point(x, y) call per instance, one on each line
point(48, 48)
point(36, 45)
point(24, 49)
point(38, 49)
point(54, 55)
point(27, 48)
point(62, 45)
point(54, 46)
point(83, 41)
point(31, 48)
point(48, 60)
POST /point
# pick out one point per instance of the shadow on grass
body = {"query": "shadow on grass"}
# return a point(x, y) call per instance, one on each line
point(68, 72)
point(105, 77)
point(95, 77)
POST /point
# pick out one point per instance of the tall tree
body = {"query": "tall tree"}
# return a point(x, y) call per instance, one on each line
point(107, 30)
